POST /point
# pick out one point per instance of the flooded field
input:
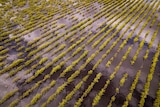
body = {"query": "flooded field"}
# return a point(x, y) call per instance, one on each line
point(74, 53)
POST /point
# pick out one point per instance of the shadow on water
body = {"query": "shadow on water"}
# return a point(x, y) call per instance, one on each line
point(80, 76)
point(97, 87)
point(15, 26)
point(131, 41)
point(88, 99)
point(24, 87)
point(148, 101)
point(106, 28)
point(56, 75)
point(21, 83)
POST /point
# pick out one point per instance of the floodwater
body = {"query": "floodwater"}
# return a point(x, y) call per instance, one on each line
point(6, 85)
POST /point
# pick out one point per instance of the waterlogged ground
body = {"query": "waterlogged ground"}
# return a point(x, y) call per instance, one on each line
point(46, 22)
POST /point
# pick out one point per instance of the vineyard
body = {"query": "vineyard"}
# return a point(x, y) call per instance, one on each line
point(79, 53)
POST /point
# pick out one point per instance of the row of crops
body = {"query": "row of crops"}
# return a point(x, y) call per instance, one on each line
point(80, 53)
